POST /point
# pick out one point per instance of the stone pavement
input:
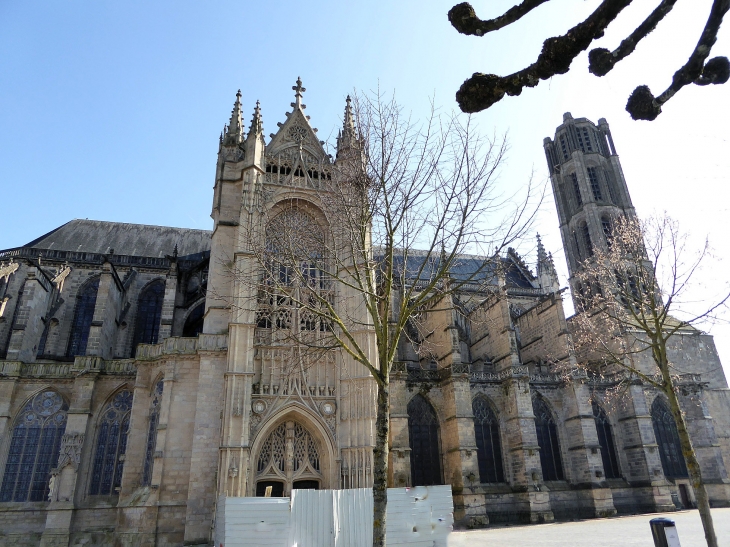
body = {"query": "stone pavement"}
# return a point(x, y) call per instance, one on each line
point(629, 531)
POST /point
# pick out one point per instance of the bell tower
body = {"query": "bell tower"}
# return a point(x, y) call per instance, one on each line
point(589, 188)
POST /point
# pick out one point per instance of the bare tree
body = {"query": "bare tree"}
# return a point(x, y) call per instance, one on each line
point(483, 90)
point(632, 294)
point(394, 216)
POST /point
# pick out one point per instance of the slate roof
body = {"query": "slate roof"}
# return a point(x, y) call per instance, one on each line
point(96, 236)
point(471, 268)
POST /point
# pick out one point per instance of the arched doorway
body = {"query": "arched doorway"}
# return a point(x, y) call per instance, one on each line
point(423, 436)
point(289, 459)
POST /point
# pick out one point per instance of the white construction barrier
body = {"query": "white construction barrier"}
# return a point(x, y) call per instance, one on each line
point(420, 517)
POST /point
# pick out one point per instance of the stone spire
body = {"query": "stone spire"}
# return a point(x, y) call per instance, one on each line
point(546, 274)
point(347, 136)
point(234, 131)
point(257, 124)
point(255, 145)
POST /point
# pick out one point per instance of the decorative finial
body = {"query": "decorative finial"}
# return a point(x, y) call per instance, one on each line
point(346, 137)
point(257, 125)
point(299, 90)
point(234, 131)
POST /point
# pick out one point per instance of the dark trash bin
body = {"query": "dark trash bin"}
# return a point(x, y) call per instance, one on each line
point(664, 533)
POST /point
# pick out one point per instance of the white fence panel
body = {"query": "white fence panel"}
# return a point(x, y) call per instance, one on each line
point(418, 517)
point(253, 522)
point(311, 518)
point(353, 517)
point(421, 516)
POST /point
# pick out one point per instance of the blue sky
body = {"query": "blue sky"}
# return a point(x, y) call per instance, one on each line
point(112, 110)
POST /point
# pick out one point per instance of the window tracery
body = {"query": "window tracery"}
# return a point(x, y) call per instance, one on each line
point(605, 440)
point(34, 448)
point(111, 445)
point(489, 450)
point(547, 439)
point(667, 437)
point(423, 436)
point(289, 455)
point(295, 279)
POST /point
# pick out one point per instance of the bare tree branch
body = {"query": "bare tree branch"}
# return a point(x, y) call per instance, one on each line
point(483, 90)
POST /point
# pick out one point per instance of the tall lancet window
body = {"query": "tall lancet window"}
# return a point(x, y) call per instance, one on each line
point(34, 448)
point(605, 439)
point(489, 449)
point(149, 313)
point(111, 445)
point(547, 439)
point(149, 455)
point(83, 316)
point(423, 436)
point(667, 437)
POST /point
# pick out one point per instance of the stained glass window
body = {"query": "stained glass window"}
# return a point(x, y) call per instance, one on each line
point(423, 435)
point(605, 439)
point(149, 456)
point(547, 439)
point(34, 448)
point(83, 316)
point(489, 449)
point(149, 312)
point(111, 444)
point(667, 437)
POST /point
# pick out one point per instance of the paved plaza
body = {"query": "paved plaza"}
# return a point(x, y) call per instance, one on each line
point(630, 531)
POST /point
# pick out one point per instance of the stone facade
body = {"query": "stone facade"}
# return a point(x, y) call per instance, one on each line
point(139, 380)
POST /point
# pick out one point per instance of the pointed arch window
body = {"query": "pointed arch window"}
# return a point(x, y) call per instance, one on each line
point(595, 184)
point(587, 243)
point(149, 456)
point(149, 313)
point(605, 440)
point(34, 448)
point(111, 445)
point(547, 438)
point(576, 189)
point(667, 437)
point(489, 449)
point(194, 322)
point(83, 316)
point(423, 436)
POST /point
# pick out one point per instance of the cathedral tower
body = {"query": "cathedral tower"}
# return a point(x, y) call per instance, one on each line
point(589, 188)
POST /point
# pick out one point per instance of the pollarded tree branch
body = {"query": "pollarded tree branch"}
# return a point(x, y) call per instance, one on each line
point(602, 61)
point(483, 90)
point(642, 105)
point(464, 19)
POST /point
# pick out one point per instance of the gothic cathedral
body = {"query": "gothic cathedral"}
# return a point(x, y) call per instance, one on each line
point(140, 380)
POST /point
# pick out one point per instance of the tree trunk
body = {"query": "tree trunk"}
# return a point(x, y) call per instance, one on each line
point(693, 466)
point(380, 463)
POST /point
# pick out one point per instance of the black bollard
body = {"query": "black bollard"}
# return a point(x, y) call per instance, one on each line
point(664, 533)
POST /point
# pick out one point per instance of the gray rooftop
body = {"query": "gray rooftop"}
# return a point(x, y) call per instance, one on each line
point(96, 236)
